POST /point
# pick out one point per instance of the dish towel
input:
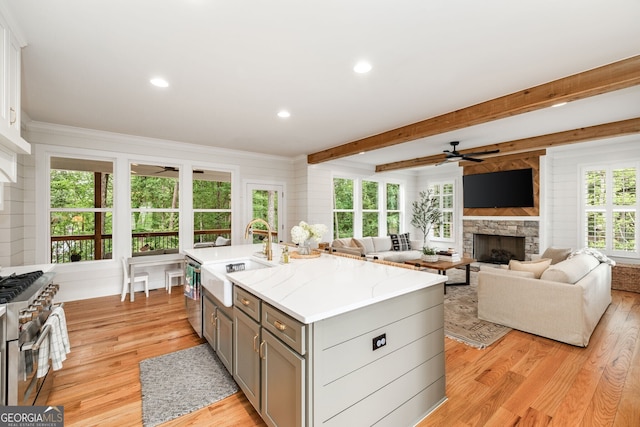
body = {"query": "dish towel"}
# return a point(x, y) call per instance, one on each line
point(59, 337)
point(43, 354)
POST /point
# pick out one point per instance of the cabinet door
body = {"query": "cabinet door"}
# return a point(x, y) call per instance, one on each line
point(246, 360)
point(209, 320)
point(283, 384)
point(14, 86)
point(224, 343)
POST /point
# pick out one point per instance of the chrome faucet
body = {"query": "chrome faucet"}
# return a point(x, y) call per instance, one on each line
point(248, 230)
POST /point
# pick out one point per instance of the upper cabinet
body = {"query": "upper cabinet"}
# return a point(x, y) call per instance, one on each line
point(11, 143)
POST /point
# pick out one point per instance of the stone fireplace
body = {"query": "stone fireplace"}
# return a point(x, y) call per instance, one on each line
point(498, 241)
point(498, 249)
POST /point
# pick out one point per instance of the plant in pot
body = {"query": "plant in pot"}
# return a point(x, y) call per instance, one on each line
point(75, 256)
point(425, 214)
point(429, 254)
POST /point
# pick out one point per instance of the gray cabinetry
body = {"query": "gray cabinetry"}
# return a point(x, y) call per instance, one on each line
point(246, 364)
point(217, 328)
point(270, 373)
point(381, 364)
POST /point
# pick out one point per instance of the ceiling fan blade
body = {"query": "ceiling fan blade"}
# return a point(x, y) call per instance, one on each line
point(472, 159)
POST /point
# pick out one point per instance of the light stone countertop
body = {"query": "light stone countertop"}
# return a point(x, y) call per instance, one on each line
point(314, 289)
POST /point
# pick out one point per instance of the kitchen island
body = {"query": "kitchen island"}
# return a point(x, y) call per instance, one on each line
point(333, 341)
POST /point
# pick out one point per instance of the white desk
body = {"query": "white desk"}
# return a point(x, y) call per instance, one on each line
point(149, 261)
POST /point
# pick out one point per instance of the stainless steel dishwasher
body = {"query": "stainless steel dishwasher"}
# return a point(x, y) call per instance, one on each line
point(192, 294)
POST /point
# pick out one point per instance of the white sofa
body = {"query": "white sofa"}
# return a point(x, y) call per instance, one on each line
point(564, 304)
point(377, 247)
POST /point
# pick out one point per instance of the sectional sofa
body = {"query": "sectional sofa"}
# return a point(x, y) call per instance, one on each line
point(395, 248)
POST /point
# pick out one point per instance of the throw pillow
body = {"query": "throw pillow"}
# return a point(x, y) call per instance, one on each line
point(536, 267)
point(556, 254)
point(400, 242)
point(365, 245)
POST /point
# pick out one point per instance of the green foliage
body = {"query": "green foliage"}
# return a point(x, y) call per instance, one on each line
point(425, 213)
point(343, 199)
point(428, 250)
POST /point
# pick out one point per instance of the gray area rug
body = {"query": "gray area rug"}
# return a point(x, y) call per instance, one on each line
point(179, 383)
point(461, 321)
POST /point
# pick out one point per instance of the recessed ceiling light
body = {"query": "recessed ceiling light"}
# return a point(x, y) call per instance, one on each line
point(284, 114)
point(559, 104)
point(362, 67)
point(159, 82)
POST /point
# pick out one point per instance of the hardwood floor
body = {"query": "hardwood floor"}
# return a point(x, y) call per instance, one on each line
point(521, 380)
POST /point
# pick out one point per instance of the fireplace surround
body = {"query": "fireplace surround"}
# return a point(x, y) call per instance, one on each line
point(499, 232)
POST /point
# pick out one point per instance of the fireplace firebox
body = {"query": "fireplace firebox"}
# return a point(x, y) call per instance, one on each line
point(497, 249)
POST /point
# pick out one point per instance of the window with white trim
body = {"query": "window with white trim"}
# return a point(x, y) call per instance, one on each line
point(610, 209)
point(364, 208)
point(370, 208)
point(443, 193)
point(80, 209)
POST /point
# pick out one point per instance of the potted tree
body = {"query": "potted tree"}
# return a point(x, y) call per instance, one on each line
point(425, 214)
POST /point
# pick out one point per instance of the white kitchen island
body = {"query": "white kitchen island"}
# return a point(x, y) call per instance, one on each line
point(333, 341)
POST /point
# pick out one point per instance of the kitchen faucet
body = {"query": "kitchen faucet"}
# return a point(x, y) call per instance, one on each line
point(248, 230)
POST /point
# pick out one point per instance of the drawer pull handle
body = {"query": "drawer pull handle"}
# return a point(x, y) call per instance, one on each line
point(244, 301)
point(279, 325)
point(261, 350)
point(213, 319)
point(255, 347)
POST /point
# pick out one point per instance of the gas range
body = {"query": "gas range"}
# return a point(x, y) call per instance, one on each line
point(27, 297)
point(12, 286)
point(21, 294)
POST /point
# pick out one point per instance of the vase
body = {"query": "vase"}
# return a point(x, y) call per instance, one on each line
point(305, 248)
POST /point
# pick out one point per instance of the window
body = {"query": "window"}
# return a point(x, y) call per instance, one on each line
point(444, 195)
point(343, 209)
point(155, 215)
point(365, 208)
point(370, 209)
point(211, 205)
point(393, 208)
point(80, 209)
point(611, 209)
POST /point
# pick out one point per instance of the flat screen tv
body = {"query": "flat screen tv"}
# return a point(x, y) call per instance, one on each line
point(505, 189)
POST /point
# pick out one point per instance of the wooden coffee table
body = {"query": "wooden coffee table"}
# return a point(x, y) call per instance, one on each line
point(443, 266)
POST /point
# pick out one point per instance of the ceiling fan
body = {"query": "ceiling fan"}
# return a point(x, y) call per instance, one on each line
point(455, 155)
point(166, 169)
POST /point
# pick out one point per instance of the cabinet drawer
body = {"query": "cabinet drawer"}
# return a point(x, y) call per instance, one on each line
point(246, 302)
point(285, 328)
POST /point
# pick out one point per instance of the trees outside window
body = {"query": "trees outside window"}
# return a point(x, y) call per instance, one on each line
point(393, 208)
point(80, 209)
point(370, 208)
point(364, 208)
point(343, 208)
point(443, 194)
point(211, 205)
point(155, 210)
point(611, 209)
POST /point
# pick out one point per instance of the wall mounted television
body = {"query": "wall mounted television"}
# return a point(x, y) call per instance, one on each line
point(504, 189)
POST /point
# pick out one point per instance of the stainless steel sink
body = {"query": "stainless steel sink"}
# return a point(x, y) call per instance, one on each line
point(214, 277)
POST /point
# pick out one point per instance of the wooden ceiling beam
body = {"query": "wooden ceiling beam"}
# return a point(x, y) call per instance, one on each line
point(608, 78)
point(621, 128)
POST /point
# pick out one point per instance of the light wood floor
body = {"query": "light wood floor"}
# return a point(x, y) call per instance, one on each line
point(522, 380)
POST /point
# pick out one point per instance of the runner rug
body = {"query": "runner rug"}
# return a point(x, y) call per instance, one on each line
point(461, 321)
point(179, 383)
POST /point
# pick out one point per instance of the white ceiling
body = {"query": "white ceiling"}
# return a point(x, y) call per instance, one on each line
point(232, 65)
